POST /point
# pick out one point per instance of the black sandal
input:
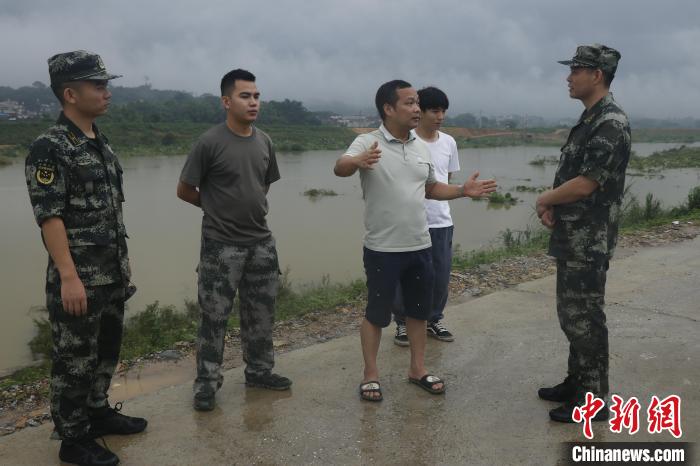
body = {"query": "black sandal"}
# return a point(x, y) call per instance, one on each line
point(427, 381)
point(371, 387)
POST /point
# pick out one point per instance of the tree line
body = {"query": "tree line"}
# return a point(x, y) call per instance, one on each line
point(145, 104)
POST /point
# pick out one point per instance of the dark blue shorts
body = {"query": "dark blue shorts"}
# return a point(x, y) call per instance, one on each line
point(385, 271)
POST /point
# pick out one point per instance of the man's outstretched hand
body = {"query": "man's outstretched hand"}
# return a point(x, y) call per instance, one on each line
point(474, 187)
point(369, 157)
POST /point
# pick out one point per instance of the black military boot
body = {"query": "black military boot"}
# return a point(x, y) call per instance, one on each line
point(268, 380)
point(564, 412)
point(109, 421)
point(204, 400)
point(86, 452)
point(562, 392)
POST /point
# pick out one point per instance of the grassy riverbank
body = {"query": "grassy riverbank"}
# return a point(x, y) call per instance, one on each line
point(160, 327)
point(680, 157)
point(177, 137)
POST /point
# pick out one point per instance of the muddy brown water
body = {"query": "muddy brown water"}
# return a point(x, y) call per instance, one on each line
point(315, 238)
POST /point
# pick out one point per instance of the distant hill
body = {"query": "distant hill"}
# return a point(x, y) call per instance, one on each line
point(145, 104)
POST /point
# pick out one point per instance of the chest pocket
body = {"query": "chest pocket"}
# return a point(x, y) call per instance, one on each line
point(88, 187)
point(120, 179)
point(569, 164)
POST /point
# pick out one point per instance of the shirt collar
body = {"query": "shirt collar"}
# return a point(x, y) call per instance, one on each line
point(75, 134)
point(391, 138)
point(592, 113)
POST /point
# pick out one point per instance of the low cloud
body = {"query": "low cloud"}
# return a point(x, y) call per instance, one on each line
point(495, 57)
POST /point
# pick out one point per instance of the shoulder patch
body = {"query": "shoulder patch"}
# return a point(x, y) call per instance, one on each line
point(45, 173)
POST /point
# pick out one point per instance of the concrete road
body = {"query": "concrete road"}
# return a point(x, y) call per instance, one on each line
point(508, 344)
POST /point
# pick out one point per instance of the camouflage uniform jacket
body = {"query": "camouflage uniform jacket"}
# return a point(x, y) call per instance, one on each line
point(80, 180)
point(598, 148)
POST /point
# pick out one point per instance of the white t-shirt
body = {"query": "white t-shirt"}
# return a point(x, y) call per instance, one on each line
point(443, 153)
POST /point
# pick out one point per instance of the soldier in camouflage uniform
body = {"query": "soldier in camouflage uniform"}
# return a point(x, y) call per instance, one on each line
point(583, 211)
point(227, 174)
point(75, 187)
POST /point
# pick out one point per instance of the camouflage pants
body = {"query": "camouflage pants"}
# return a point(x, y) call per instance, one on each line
point(254, 272)
point(580, 307)
point(85, 355)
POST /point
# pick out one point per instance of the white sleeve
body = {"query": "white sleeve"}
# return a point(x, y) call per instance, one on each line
point(454, 157)
point(358, 146)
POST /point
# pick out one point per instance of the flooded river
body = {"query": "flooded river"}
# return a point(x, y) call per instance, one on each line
point(314, 237)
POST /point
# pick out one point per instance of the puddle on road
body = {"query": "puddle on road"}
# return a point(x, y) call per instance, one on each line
point(149, 378)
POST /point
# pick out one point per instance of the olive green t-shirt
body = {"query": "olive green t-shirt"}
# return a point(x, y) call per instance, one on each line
point(232, 173)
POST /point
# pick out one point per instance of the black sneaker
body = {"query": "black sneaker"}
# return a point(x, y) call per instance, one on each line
point(562, 392)
point(86, 452)
point(109, 421)
point(401, 338)
point(204, 400)
point(269, 380)
point(564, 413)
point(437, 330)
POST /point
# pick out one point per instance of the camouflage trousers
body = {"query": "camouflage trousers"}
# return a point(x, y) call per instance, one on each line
point(580, 307)
point(253, 271)
point(85, 355)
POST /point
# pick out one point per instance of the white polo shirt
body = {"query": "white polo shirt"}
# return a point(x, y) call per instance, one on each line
point(394, 191)
point(445, 158)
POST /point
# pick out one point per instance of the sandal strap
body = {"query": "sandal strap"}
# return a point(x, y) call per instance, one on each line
point(371, 386)
point(431, 379)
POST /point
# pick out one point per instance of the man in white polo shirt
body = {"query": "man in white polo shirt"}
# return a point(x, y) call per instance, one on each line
point(443, 153)
point(396, 175)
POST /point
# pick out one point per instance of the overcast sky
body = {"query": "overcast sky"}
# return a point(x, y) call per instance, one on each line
point(497, 56)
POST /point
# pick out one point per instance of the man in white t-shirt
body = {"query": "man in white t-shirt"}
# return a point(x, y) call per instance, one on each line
point(443, 153)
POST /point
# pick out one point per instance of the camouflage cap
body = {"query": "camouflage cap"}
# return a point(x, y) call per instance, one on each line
point(594, 56)
point(78, 66)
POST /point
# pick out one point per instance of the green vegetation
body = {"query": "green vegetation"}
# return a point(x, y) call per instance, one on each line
point(512, 243)
point(316, 297)
point(636, 215)
point(680, 157)
point(541, 161)
point(681, 135)
point(158, 327)
point(27, 375)
point(174, 138)
point(509, 139)
point(530, 189)
point(5, 160)
point(505, 199)
point(694, 199)
point(314, 193)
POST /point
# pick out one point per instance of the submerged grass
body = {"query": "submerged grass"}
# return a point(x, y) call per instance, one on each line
point(541, 161)
point(315, 193)
point(679, 157)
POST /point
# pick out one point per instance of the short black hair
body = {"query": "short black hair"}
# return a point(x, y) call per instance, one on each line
point(386, 94)
point(57, 90)
point(229, 80)
point(608, 78)
point(431, 97)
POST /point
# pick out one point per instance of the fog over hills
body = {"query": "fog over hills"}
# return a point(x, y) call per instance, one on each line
point(496, 57)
